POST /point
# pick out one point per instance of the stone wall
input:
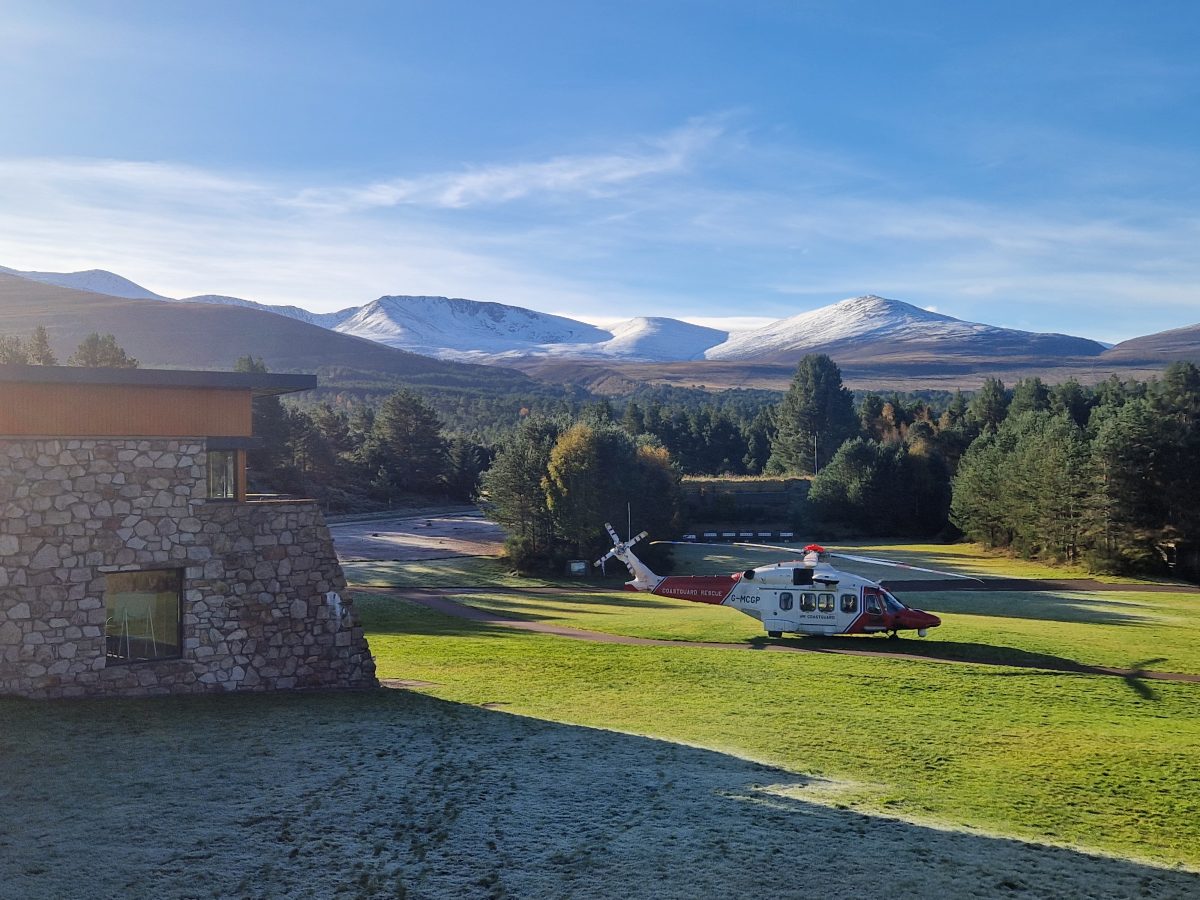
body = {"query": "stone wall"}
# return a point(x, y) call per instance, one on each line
point(262, 601)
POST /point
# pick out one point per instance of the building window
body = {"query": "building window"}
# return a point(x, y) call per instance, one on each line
point(222, 474)
point(144, 611)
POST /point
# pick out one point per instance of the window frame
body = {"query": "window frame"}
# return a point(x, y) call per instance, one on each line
point(231, 473)
point(852, 605)
point(785, 600)
point(808, 601)
point(111, 659)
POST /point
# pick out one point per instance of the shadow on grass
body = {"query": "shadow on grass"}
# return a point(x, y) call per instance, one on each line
point(434, 798)
point(963, 651)
point(1051, 607)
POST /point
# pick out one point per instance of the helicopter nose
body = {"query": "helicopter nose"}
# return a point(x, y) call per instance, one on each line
point(918, 618)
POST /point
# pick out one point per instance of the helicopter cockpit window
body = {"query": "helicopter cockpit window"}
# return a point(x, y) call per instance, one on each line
point(802, 576)
point(785, 600)
point(873, 603)
point(849, 603)
point(893, 605)
point(808, 602)
point(825, 602)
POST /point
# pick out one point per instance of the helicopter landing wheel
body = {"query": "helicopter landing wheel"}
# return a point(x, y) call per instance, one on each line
point(894, 636)
point(774, 634)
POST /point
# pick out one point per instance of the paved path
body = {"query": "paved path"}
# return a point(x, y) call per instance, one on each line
point(443, 601)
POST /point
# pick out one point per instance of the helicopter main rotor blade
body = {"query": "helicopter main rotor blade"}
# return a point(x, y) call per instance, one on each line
point(871, 560)
point(799, 550)
point(876, 561)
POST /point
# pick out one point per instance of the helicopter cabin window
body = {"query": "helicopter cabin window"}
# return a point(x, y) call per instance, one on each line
point(873, 602)
point(808, 602)
point(825, 602)
point(785, 600)
point(849, 603)
point(802, 576)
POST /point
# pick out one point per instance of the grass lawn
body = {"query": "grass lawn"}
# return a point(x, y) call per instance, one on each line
point(397, 795)
point(1095, 762)
point(536, 766)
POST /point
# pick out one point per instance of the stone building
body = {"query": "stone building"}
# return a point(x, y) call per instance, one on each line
point(131, 562)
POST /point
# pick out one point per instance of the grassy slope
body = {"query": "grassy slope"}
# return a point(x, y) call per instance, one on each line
point(1096, 762)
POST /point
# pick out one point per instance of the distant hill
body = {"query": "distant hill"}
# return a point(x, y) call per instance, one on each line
point(213, 336)
point(97, 281)
point(1161, 348)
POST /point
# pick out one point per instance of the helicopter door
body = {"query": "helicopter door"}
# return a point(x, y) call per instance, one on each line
point(874, 606)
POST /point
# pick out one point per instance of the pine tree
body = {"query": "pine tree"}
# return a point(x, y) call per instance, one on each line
point(406, 449)
point(101, 352)
point(1029, 395)
point(989, 406)
point(512, 489)
point(37, 348)
point(815, 417)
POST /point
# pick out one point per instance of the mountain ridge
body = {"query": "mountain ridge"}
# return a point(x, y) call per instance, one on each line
point(885, 330)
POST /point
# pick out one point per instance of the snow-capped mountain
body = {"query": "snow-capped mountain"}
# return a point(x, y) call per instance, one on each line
point(98, 281)
point(457, 328)
point(661, 339)
point(469, 330)
point(892, 327)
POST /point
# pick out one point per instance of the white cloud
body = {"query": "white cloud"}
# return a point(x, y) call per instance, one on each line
point(593, 175)
point(660, 233)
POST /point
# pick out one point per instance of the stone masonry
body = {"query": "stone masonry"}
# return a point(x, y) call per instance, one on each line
point(262, 599)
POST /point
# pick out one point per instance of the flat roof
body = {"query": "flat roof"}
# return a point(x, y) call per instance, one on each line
point(260, 384)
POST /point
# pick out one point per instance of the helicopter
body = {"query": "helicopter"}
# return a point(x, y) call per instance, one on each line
point(801, 596)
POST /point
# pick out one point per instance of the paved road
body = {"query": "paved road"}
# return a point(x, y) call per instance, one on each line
point(432, 535)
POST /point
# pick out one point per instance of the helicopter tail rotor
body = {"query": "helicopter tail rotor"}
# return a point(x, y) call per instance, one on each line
point(643, 578)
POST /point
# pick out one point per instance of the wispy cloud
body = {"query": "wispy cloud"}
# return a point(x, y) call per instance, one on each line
point(587, 175)
point(699, 223)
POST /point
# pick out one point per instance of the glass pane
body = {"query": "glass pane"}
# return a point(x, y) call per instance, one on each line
point(222, 483)
point(143, 614)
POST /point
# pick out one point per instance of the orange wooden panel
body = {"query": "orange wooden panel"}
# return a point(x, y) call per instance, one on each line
point(103, 410)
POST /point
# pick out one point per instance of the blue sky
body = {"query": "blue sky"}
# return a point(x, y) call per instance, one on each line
point(1024, 164)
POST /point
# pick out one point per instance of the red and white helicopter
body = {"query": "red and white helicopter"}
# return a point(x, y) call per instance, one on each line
point(801, 596)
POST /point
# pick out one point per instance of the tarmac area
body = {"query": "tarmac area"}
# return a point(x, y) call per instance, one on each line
point(429, 534)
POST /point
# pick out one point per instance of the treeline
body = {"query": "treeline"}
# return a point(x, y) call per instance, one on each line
point(376, 457)
point(94, 351)
point(1105, 476)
